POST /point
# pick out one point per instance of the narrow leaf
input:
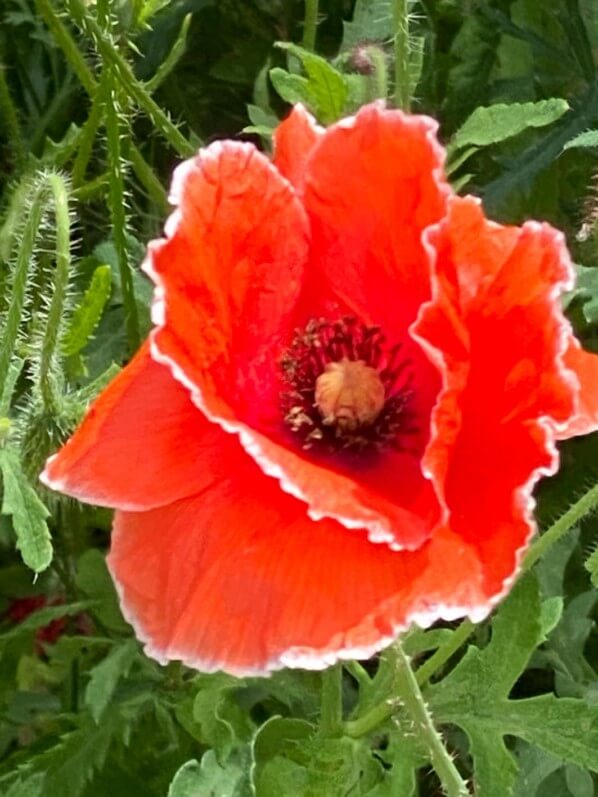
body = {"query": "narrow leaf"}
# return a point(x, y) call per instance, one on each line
point(27, 511)
point(587, 139)
point(87, 315)
point(106, 675)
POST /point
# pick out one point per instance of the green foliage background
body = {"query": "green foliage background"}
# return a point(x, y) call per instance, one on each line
point(98, 101)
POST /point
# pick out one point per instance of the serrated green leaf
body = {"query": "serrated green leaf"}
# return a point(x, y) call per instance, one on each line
point(587, 139)
point(495, 123)
point(324, 90)
point(30, 787)
point(475, 696)
point(87, 315)
point(104, 677)
point(209, 779)
point(28, 513)
point(495, 767)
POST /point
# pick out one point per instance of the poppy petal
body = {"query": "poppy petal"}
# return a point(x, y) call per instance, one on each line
point(294, 139)
point(584, 365)
point(240, 579)
point(141, 444)
point(227, 278)
point(373, 184)
point(496, 328)
point(228, 275)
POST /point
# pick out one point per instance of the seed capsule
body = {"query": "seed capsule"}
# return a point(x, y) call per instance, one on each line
point(349, 394)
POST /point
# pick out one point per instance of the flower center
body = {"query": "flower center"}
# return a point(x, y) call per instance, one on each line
point(346, 389)
point(350, 394)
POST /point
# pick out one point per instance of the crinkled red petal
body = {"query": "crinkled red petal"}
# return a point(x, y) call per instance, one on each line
point(240, 579)
point(373, 184)
point(496, 329)
point(584, 365)
point(228, 274)
point(142, 443)
point(294, 140)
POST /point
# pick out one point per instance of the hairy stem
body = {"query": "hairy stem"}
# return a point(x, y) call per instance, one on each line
point(401, 49)
point(423, 726)
point(117, 204)
point(61, 274)
point(582, 507)
point(18, 294)
point(128, 81)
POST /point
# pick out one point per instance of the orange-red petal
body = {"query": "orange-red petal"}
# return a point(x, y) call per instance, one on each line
point(240, 579)
point(141, 444)
point(373, 184)
point(228, 274)
point(584, 365)
point(294, 139)
point(496, 329)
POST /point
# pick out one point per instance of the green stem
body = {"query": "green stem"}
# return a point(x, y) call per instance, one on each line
point(65, 41)
point(19, 283)
point(377, 82)
point(444, 652)
point(423, 726)
point(90, 130)
point(331, 720)
point(587, 502)
point(58, 187)
point(9, 118)
point(310, 24)
point(401, 47)
point(127, 79)
point(148, 179)
point(116, 199)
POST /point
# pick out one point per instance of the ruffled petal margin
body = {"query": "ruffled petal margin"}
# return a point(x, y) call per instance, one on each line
point(227, 277)
point(240, 579)
point(584, 365)
point(496, 329)
point(142, 443)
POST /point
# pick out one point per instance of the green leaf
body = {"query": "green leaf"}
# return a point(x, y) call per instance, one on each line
point(475, 696)
point(550, 614)
point(535, 766)
point(87, 315)
point(210, 779)
point(217, 713)
point(324, 89)
point(104, 677)
point(591, 565)
point(93, 579)
point(495, 123)
point(587, 139)
point(372, 21)
point(30, 787)
point(28, 513)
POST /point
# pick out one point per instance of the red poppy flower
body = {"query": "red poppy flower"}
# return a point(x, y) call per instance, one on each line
point(353, 384)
